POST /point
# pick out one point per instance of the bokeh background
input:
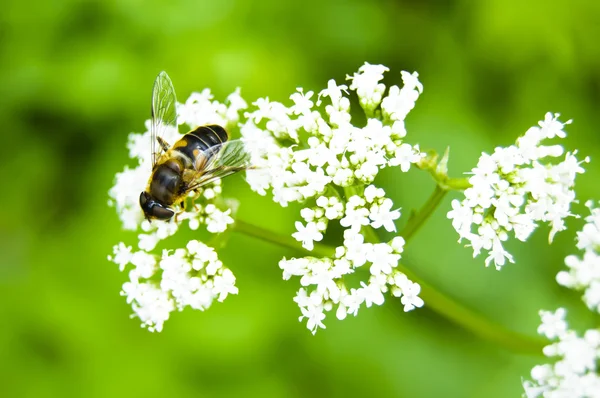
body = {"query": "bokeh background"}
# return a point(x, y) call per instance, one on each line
point(75, 79)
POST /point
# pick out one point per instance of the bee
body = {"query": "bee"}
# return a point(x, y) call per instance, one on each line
point(201, 156)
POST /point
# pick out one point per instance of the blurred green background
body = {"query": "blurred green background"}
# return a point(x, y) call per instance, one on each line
point(75, 79)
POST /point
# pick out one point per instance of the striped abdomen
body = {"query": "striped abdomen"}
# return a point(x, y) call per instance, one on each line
point(194, 146)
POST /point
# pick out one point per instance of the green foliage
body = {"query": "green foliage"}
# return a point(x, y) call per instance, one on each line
point(76, 78)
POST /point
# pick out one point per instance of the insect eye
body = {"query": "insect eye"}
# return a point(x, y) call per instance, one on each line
point(153, 209)
point(145, 202)
point(162, 213)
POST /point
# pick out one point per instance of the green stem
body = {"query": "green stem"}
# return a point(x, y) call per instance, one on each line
point(437, 301)
point(245, 228)
point(447, 183)
point(472, 321)
point(455, 184)
point(415, 222)
point(370, 234)
point(439, 171)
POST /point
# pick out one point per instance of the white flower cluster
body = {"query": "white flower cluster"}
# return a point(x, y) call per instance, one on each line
point(575, 373)
point(513, 189)
point(192, 277)
point(584, 273)
point(329, 149)
point(302, 153)
point(180, 284)
point(373, 209)
point(323, 286)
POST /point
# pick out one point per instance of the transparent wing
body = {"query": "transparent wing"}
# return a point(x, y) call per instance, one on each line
point(224, 159)
point(164, 115)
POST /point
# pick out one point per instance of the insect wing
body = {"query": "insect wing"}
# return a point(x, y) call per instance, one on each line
point(224, 159)
point(164, 115)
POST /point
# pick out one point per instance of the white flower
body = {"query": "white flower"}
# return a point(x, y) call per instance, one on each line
point(323, 286)
point(584, 272)
point(574, 374)
point(145, 265)
point(337, 152)
point(122, 255)
point(192, 277)
point(150, 304)
point(400, 101)
point(372, 293)
point(355, 218)
point(552, 127)
point(294, 267)
point(350, 303)
point(334, 208)
point(553, 323)
point(224, 284)
point(397, 244)
point(383, 259)
point(367, 86)
point(200, 109)
point(462, 218)
point(312, 309)
point(302, 102)
point(515, 189)
point(404, 155)
point(410, 296)
point(307, 234)
point(383, 215)
point(125, 193)
point(355, 250)
point(217, 220)
point(334, 92)
point(372, 192)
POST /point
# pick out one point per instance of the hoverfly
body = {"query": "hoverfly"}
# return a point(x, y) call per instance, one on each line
point(201, 156)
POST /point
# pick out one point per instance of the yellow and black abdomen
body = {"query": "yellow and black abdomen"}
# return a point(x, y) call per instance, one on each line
point(195, 146)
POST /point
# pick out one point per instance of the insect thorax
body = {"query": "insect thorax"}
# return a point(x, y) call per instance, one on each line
point(166, 181)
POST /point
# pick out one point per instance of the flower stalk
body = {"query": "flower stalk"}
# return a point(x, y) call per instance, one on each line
point(439, 172)
point(419, 218)
point(436, 300)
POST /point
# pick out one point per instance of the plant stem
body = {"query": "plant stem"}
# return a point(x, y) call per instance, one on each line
point(437, 301)
point(245, 228)
point(438, 168)
point(472, 321)
point(455, 184)
point(370, 234)
point(415, 222)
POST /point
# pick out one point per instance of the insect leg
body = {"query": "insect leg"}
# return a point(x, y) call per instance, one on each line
point(180, 212)
point(196, 196)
